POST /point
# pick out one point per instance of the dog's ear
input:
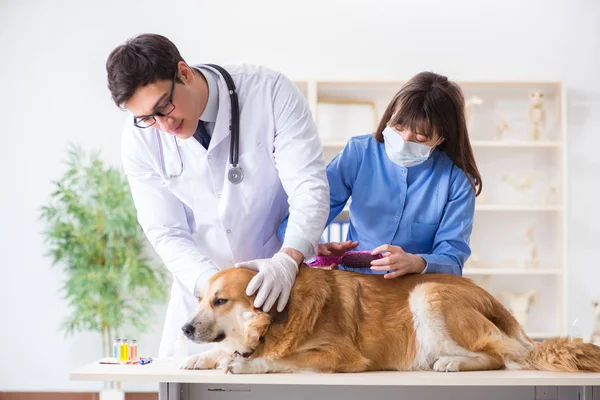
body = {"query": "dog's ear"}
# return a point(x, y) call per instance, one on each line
point(256, 330)
point(278, 317)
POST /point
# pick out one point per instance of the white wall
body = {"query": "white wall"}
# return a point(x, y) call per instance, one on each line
point(53, 83)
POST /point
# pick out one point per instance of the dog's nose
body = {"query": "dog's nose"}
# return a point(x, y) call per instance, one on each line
point(188, 330)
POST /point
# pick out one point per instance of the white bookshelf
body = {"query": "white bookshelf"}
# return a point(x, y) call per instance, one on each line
point(516, 207)
point(346, 108)
point(479, 144)
point(510, 271)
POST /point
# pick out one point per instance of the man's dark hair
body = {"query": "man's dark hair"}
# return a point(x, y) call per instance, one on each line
point(142, 60)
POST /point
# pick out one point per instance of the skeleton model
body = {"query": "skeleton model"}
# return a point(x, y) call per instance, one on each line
point(474, 261)
point(548, 191)
point(502, 127)
point(595, 338)
point(550, 197)
point(544, 186)
point(519, 304)
point(473, 100)
point(537, 114)
point(532, 250)
point(521, 185)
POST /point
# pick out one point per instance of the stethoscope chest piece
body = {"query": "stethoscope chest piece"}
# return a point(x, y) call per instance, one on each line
point(235, 175)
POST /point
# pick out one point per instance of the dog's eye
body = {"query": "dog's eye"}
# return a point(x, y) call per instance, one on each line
point(219, 302)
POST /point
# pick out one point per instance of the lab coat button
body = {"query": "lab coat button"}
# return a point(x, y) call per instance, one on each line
point(218, 195)
point(228, 231)
point(209, 156)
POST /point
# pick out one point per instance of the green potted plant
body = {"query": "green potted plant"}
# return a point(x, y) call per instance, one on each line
point(90, 222)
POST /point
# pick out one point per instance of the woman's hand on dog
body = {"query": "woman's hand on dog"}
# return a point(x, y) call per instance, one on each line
point(397, 261)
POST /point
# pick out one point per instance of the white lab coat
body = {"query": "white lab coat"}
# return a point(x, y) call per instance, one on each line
point(199, 222)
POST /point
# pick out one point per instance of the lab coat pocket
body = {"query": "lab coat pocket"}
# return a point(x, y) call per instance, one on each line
point(422, 236)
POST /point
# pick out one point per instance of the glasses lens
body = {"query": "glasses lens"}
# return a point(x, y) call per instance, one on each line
point(144, 122)
point(166, 109)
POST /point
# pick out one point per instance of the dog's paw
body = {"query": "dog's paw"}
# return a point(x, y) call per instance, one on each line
point(447, 364)
point(237, 364)
point(224, 361)
point(198, 361)
point(239, 367)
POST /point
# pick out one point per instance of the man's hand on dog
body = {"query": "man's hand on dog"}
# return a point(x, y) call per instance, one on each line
point(274, 280)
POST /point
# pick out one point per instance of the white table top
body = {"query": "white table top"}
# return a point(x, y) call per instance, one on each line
point(167, 371)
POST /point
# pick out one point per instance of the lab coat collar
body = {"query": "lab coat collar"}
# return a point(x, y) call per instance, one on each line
point(223, 121)
point(212, 105)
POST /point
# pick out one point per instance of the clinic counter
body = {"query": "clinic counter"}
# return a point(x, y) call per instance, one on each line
point(167, 371)
point(173, 382)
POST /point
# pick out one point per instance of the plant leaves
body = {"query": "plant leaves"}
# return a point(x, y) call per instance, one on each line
point(93, 235)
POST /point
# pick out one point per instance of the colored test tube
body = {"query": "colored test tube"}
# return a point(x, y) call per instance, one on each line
point(124, 353)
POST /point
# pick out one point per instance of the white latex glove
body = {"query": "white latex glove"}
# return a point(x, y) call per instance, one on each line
point(275, 279)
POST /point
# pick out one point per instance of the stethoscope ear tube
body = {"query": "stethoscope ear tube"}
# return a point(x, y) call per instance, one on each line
point(235, 173)
point(235, 116)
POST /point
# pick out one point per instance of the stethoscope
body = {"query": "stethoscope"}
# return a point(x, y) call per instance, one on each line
point(235, 173)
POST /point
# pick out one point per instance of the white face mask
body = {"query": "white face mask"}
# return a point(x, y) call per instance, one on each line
point(403, 153)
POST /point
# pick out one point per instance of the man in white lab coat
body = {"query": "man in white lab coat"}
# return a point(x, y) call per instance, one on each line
point(176, 155)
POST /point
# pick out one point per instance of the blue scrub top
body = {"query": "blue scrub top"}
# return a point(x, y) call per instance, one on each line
point(427, 209)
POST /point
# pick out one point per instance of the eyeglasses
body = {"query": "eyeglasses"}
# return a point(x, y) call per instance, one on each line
point(162, 111)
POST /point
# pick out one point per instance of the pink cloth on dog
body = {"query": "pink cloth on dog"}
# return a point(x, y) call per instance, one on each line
point(352, 259)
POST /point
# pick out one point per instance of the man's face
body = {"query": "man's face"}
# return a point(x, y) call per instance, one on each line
point(153, 100)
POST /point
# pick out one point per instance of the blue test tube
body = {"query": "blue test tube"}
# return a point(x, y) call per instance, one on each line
point(116, 349)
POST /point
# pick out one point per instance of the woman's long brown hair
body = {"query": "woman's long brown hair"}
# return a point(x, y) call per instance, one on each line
point(427, 104)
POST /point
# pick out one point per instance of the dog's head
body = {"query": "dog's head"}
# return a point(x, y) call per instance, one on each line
point(227, 315)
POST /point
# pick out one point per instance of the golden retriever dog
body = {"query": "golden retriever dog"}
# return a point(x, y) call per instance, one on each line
point(340, 321)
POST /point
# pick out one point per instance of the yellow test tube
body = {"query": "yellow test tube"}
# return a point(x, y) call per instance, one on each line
point(124, 352)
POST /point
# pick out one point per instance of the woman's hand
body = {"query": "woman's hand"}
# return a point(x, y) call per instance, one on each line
point(397, 260)
point(335, 248)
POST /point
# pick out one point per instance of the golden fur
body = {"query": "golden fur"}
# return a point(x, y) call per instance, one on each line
point(340, 321)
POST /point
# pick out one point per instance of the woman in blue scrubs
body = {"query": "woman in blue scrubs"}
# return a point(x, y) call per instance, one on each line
point(412, 183)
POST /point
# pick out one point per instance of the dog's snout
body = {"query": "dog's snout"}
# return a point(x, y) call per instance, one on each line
point(188, 330)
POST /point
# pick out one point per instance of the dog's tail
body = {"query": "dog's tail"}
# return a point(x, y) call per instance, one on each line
point(563, 355)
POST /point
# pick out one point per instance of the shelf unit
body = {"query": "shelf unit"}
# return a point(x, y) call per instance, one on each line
point(346, 108)
point(510, 271)
point(516, 207)
point(479, 144)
